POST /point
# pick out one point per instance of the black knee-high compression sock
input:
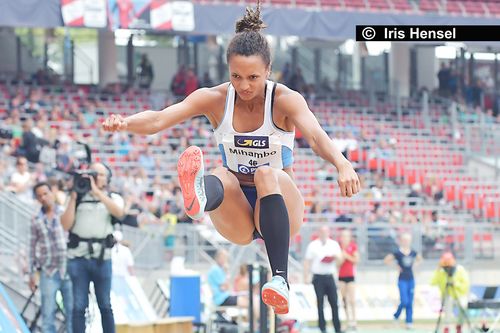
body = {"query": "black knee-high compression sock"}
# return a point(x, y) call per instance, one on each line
point(275, 228)
point(214, 190)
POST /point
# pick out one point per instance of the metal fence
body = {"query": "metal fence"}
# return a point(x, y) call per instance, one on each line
point(470, 242)
point(197, 244)
point(153, 247)
point(14, 224)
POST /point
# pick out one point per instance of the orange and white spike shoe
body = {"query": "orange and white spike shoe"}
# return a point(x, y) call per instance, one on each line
point(275, 294)
point(190, 171)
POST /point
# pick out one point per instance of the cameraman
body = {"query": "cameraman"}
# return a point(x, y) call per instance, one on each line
point(453, 283)
point(88, 218)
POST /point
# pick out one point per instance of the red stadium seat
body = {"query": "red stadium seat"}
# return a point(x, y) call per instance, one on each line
point(281, 2)
point(307, 3)
point(379, 4)
point(493, 8)
point(453, 7)
point(473, 7)
point(429, 6)
point(354, 155)
point(331, 3)
point(355, 4)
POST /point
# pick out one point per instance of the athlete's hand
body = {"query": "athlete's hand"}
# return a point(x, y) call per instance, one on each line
point(114, 123)
point(348, 181)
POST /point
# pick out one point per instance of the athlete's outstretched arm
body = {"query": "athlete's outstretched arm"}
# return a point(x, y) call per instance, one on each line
point(297, 110)
point(151, 122)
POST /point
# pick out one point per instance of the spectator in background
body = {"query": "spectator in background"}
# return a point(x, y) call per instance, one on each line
point(47, 253)
point(121, 257)
point(346, 276)
point(377, 189)
point(453, 283)
point(16, 102)
point(21, 181)
point(415, 193)
point(384, 150)
point(241, 280)
point(207, 81)
point(477, 93)
point(444, 79)
point(297, 81)
point(346, 142)
point(145, 72)
point(406, 258)
point(32, 104)
point(321, 257)
point(220, 285)
point(57, 187)
point(286, 73)
point(191, 82)
point(169, 220)
point(124, 145)
point(146, 159)
point(453, 83)
point(178, 84)
point(438, 227)
point(3, 174)
point(150, 213)
point(324, 86)
point(38, 175)
point(64, 160)
point(29, 142)
point(343, 217)
point(132, 210)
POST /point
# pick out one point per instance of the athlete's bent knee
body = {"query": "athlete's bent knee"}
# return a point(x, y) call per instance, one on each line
point(265, 176)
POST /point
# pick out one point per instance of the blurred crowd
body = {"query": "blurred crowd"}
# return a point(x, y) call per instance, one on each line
point(40, 128)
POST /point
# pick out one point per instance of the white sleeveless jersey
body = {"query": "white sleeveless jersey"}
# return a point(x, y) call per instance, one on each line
point(267, 145)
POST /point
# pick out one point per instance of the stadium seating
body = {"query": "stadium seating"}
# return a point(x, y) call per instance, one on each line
point(414, 157)
point(451, 7)
point(429, 5)
point(454, 7)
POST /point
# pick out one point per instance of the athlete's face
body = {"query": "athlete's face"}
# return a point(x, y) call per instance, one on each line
point(248, 76)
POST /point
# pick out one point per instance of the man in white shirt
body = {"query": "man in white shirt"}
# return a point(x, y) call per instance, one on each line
point(321, 260)
point(122, 260)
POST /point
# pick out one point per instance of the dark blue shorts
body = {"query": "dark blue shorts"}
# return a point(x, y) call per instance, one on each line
point(250, 193)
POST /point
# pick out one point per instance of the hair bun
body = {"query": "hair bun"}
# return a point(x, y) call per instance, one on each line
point(252, 20)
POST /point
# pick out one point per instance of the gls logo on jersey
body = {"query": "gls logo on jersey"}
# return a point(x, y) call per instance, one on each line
point(247, 169)
point(259, 142)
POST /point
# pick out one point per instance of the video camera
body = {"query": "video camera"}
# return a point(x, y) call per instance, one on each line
point(81, 181)
point(450, 270)
point(81, 157)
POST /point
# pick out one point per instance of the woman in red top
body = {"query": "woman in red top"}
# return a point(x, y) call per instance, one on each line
point(346, 276)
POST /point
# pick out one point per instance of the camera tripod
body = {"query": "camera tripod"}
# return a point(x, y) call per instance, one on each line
point(450, 294)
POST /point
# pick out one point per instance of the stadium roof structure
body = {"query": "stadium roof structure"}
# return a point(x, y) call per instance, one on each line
point(219, 19)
